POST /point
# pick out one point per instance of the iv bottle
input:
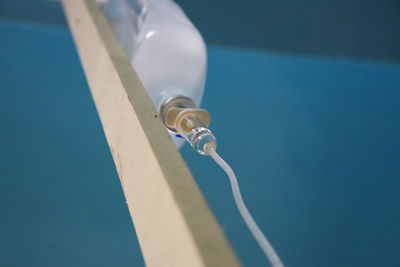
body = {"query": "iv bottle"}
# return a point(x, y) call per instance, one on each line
point(166, 50)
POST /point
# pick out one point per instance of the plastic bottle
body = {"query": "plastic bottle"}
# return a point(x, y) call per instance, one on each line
point(166, 50)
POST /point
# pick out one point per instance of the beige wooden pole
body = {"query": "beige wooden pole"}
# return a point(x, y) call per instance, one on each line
point(174, 225)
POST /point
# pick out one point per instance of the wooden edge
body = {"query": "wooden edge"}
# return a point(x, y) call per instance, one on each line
point(173, 222)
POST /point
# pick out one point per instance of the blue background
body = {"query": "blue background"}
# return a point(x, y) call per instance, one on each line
point(362, 29)
point(314, 142)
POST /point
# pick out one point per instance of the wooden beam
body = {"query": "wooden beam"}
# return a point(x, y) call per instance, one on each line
point(174, 225)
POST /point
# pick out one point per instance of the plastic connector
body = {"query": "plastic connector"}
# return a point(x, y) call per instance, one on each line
point(192, 123)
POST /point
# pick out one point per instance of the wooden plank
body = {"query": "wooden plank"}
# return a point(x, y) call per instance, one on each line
point(174, 225)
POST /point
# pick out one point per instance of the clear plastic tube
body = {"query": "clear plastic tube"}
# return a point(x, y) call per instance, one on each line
point(248, 219)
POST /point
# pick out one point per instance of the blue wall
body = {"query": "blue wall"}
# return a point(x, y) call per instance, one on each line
point(314, 143)
point(362, 29)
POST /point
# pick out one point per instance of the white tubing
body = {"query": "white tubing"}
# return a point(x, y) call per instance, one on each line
point(248, 219)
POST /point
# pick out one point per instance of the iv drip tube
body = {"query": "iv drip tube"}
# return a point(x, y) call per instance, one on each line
point(192, 123)
point(248, 219)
